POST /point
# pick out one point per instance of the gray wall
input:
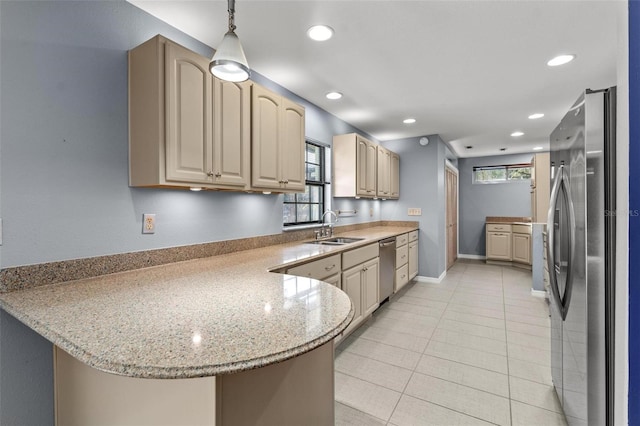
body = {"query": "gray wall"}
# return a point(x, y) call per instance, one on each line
point(481, 200)
point(422, 185)
point(63, 170)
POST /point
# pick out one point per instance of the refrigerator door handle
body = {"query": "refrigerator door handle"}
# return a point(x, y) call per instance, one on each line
point(560, 187)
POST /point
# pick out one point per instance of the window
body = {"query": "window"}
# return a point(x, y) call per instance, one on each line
point(307, 207)
point(502, 174)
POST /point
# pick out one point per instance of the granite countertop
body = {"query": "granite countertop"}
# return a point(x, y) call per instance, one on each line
point(205, 317)
point(509, 219)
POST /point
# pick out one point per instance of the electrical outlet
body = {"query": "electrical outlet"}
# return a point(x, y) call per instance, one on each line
point(148, 223)
point(414, 212)
point(371, 212)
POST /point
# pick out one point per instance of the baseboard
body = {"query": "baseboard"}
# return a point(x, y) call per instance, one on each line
point(471, 256)
point(538, 293)
point(423, 279)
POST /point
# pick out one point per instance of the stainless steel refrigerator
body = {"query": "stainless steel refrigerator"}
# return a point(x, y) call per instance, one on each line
point(581, 258)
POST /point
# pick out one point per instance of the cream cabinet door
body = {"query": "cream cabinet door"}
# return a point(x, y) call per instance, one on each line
point(383, 188)
point(265, 132)
point(522, 248)
point(352, 285)
point(292, 146)
point(413, 259)
point(333, 280)
point(366, 160)
point(370, 287)
point(232, 137)
point(499, 245)
point(394, 176)
point(189, 116)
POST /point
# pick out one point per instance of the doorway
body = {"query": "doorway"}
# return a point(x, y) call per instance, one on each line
point(451, 194)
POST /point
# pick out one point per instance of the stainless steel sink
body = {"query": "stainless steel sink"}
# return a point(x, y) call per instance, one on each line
point(335, 241)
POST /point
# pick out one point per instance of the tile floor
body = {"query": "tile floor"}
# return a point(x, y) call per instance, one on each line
point(473, 349)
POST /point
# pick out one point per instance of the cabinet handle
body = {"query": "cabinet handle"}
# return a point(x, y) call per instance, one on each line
point(280, 181)
point(364, 268)
point(210, 174)
point(218, 175)
point(403, 256)
point(403, 275)
point(286, 181)
point(328, 268)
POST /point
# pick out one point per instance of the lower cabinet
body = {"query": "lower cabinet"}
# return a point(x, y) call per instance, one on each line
point(413, 254)
point(361, 284)
point(521, 245)
point(499, 245)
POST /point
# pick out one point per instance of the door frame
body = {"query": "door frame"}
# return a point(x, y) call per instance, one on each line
point(449, 165)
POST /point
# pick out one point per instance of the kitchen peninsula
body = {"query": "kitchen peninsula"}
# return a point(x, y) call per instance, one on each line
point(242, 345)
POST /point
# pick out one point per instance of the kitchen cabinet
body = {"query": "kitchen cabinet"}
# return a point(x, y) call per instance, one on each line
point(278, 142)
point(186, 127)
point(383, 187)
point(394, 176)
point(540, 187)
point(498, 242)
point(413, 254)
point(354, 166)
point(327, 269)
point(521, 244)
point(360, 281)
point(402, 260)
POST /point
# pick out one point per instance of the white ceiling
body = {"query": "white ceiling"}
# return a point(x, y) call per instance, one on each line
point(470, 71)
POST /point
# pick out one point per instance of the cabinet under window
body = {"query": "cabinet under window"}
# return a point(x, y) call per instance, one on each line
point(307, 207)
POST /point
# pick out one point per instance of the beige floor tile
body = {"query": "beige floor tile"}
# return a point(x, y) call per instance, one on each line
point(486, 360)
point(364, 396)
point(370, 370)
point(473, 329)
point(417, 309)
point(410, 317)
point(530, 371)
point(385, 353)
point(483, 405)
point(538, 311)
point(347, 416)
point(531, 303)
point(437, 294)
point(489, 302)
point(485, 291)
point(396, 338)
point(534, 330)
point(414, 328)
point(463, 374)
point(524, 353)
point(528, 319)
point(528, 415)
point(474, 319)
point(413, 412)
point(469, 341)
point(533, 393)
point(476, 310)
point(421, 301)
point(529, 340)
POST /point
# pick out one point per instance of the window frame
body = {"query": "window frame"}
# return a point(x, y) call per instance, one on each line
point(322, 184)
point(506, 168)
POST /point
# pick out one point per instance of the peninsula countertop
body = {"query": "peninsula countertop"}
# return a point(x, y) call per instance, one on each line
point(204, 317)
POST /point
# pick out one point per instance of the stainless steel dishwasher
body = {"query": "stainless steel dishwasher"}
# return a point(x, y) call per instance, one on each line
point(387, 267)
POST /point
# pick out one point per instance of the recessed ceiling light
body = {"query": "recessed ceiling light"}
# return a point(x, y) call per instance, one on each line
point(334, 95)
point(538, 148)
point(409, 120)
point(536, 116)
point(468, 147)
point(561, 60)
point(517, 134)
point(320, 32)
point(503, 149)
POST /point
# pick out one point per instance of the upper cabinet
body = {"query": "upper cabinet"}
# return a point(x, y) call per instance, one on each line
point(364, 169)
point(186, 127)
point(277, 142)
point(190, 129)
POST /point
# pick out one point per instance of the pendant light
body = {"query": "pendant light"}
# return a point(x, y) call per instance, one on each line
point(229, 62)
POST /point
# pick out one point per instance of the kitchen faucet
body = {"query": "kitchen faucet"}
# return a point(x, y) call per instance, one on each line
point(324, 232)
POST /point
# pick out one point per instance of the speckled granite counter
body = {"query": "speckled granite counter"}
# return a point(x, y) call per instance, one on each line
point(205, 317)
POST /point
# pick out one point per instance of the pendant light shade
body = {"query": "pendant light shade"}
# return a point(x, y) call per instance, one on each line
point(229, 62)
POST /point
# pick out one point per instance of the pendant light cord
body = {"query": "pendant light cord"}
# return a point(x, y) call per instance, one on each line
point(232, 10)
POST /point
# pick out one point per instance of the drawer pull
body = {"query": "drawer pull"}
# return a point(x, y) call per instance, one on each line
point(403, 256)
point(328, 268)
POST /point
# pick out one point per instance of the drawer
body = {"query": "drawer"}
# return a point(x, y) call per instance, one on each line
point(521, 229)
point(402, 240)
point(402, 255)
point(356, 256)
point(413, 236)
point(498, 227)
point(318, 269)
point(402, 277)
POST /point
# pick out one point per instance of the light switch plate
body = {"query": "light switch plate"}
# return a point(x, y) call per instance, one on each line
point(414, 212)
